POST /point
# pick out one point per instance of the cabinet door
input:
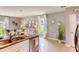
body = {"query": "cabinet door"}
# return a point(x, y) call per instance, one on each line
point(19, 47)
point(72, 24)
point(12, 48)
point(23, 46)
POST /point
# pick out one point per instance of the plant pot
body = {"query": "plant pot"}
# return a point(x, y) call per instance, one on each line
point(59, 41)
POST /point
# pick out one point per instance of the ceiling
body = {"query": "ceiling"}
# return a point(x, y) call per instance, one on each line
point(23, 11)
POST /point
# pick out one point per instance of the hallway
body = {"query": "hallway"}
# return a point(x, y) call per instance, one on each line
point(53, 46)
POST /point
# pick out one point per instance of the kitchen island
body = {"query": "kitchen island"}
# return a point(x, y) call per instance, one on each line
point(22, 43)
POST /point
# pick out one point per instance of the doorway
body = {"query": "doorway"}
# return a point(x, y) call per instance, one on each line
point(42, 26)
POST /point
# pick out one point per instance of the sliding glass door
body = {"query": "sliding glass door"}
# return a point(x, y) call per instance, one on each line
point(42, 25)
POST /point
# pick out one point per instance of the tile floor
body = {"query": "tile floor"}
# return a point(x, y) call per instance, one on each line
point(47, 45)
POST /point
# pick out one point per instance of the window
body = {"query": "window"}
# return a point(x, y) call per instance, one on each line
point(42, 29)
point(1, 29)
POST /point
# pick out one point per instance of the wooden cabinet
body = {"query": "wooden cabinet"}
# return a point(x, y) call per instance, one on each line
point(31, 44)
point(19, 47)
point(12, 48)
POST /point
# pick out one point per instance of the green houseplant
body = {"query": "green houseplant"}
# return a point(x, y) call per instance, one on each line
point(60, 33)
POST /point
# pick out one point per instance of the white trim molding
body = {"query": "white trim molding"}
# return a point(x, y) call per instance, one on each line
point(51, 38)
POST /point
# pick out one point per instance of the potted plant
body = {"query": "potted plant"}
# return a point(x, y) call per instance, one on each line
point(60, 33)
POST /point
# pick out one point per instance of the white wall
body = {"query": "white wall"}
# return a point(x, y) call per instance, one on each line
point(17, 20)
point(52, 28)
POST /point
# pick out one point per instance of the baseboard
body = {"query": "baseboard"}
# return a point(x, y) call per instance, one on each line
point(51, 38)
point(68, 45)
